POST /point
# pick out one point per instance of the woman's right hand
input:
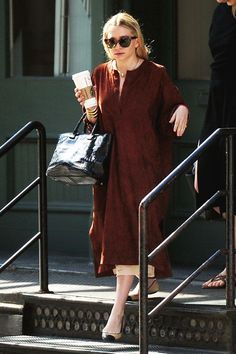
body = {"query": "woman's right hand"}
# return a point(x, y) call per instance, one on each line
point(78, 95)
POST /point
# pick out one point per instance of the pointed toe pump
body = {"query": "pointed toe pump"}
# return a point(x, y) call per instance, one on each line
point(152, 289)
point(112, 337)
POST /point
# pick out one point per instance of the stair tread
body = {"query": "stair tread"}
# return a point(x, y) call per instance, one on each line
point(71, 345)
point(11, 308)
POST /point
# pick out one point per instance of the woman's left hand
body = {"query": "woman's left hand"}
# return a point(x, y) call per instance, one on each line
point(180, 120)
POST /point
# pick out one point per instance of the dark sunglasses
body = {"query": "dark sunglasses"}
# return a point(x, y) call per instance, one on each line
point(123, 41)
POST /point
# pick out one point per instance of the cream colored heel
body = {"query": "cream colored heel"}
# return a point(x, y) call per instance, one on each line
point(112, 337)
point(152, 289)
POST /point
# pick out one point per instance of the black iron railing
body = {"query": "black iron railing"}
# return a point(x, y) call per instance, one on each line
point(40, 182)
point(229, 251)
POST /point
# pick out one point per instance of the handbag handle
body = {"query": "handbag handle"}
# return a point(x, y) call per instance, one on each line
point(76, 129)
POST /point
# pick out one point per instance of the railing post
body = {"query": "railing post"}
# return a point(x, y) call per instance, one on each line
point(143, 311)
point(143, 256)
point(230, 227)
point(41, 236)
point(43, 223)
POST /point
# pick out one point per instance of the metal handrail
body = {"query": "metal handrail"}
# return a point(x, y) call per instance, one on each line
point(42, 235)
point(143, 215)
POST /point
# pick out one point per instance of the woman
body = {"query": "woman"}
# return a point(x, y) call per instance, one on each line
point(144, 111)
point(221, 112)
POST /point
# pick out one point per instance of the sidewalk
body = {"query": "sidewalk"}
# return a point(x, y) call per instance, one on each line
point(70, 276)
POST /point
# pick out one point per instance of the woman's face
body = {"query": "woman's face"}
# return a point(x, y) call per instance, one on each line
point(126, 37)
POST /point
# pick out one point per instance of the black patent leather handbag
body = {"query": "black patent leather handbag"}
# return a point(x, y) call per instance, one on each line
point(81, 158)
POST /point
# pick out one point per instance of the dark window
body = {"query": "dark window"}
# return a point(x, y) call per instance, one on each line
point(33, 37)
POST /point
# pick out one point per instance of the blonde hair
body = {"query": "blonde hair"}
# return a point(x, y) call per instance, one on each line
point(125, 20)
point(234, 10)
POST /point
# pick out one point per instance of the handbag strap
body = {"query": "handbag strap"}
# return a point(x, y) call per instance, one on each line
point(76, 129)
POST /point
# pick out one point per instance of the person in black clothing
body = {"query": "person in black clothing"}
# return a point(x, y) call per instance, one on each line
point(221, 112)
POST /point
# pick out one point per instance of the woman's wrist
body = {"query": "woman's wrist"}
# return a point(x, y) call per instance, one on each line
point(184, 105)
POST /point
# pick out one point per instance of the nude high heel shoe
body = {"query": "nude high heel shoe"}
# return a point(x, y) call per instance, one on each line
point(152, 289)
point(112, 337)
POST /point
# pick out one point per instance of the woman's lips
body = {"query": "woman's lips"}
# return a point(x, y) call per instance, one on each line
point(118, 53)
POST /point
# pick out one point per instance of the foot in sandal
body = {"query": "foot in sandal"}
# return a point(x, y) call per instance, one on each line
point(217, 282)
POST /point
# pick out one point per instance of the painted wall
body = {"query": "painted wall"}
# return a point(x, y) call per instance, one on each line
point(51, 101)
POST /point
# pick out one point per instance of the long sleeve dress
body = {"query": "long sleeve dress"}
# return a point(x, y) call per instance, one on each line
point(140, 158)
point(221, 110)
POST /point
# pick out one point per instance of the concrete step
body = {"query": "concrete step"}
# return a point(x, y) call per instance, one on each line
point(178, 325)
point(51, 345)
point(196, 322)
point(11, 319)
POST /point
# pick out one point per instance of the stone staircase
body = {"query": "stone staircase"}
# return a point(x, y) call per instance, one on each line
point(70, 318)
point(49, 323)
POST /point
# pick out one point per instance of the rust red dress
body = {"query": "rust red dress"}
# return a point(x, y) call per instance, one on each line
point(141, 157)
